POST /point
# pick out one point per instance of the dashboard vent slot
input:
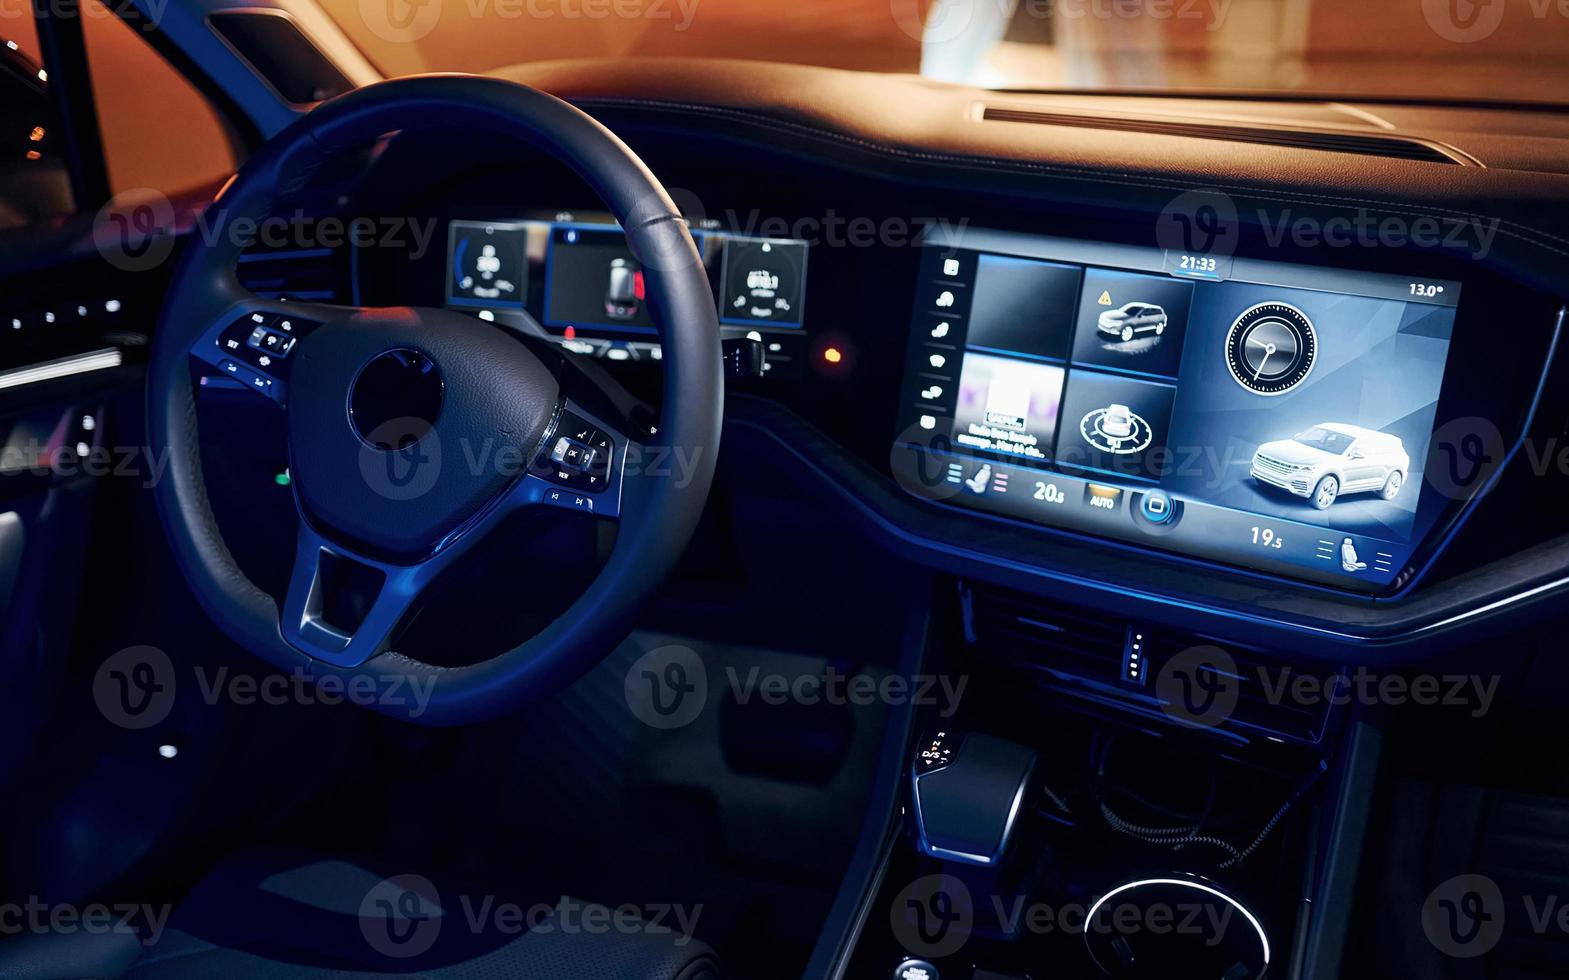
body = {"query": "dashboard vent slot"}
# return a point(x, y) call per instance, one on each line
point(1364, 144)
point(1116, 663)
point(313, 274)
point(1056, 639)
point(1265, 700)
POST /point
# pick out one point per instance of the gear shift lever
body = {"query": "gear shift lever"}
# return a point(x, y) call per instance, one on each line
point(968, 790)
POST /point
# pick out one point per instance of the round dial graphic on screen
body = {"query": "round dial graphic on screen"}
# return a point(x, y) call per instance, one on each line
point(488, 263)
point(1271, 348)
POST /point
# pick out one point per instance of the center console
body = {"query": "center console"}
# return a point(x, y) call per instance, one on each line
point(1078, 820)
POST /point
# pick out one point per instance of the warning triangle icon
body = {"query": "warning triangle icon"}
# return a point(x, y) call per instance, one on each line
point(1105, 297)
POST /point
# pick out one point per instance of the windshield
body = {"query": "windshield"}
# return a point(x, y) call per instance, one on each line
point(1454, 50)
point(1329, 442)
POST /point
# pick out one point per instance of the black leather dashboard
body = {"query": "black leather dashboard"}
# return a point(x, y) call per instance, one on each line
point(1489, 186)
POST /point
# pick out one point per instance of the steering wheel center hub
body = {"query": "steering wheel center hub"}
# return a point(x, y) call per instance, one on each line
point(395, 399)
point(404, 424)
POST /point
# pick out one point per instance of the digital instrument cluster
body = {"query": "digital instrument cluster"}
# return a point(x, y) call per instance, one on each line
point(1264, 414)
point(577, 279)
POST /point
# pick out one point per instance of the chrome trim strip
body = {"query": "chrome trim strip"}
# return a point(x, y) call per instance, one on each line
point(65, 367)
point(1184, 883)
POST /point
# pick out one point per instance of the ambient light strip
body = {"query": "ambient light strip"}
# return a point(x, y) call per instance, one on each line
point(65, 367)
point(1184, 883)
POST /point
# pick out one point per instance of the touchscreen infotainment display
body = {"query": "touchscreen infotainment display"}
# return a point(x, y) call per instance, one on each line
point(1265, 414)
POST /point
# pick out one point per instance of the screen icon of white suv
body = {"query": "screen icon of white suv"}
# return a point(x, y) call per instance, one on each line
point(1331, 459)
point(1132, 319)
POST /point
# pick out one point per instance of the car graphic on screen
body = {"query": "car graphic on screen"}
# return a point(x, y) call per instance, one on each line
point(625, 290)
point(1334, 458)
point(1132, 319)
point(1118, 421)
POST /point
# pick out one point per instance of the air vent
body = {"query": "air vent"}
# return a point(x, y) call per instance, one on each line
point(1117, 663)
point(313, 274)
point(1397, 147)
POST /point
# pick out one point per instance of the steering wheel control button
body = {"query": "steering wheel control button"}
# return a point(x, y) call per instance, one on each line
point(569, 500)
point(575, 428)
point(395, 399)
point(263, 342)
point(270, 341)
point(915, 970)
point(572, 455)
point(244, 375)
point(579, 457)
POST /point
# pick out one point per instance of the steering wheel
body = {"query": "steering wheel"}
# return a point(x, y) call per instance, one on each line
point(388, 409)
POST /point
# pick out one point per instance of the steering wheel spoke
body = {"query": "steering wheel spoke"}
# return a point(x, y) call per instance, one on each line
point(344, 608)
point(251, 340)
point(582, 465)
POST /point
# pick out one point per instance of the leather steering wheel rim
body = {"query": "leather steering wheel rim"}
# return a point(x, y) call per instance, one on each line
point(658, 515)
